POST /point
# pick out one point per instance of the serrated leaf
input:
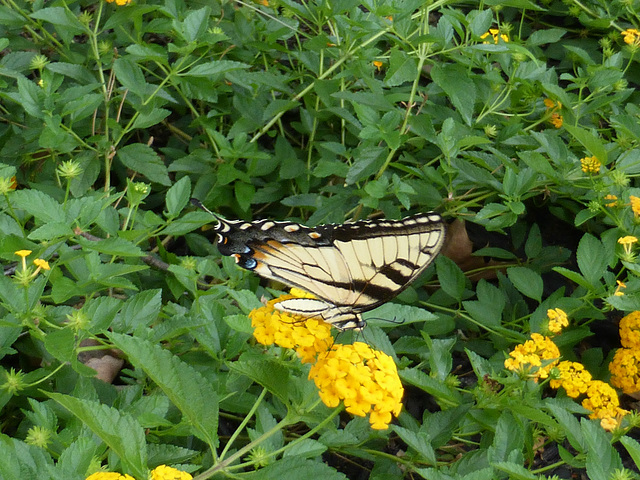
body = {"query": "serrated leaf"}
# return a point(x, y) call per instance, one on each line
point(420, 442)
point(602, 459)
point(130, 76)
point(118, 430)
point(267, 372)
point(527, 282)
point(590, 141)
point(39, 204)
point(31, 97)
point(452, 279)
point(155, 116)
point(430, 385)
point(573, 276)
point(142, 159)
point(216, 67)
point(140, 310)
point(633, 447)
point(50, 231)
point(454, 80)
point(187, 389)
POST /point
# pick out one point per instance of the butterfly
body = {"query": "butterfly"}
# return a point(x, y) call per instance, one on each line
point(350, 268)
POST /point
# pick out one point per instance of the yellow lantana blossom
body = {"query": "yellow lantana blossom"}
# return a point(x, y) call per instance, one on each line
point(538, 356)
point(604, 404)
point(120, 3)
point(590, 164)
point(625, 370)
point(612, 200)
point(557, 320)
point(109, 476)
point(308, 336)
point(630, 330)
point(169, 473)
point(635, 205)
point(631, 36)
point(366, 380)
point(573, 378)
point(495, 34)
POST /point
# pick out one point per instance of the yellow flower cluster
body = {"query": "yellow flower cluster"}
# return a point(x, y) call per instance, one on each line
point(573, 377)
point(365, 379)
point(612, 200)
point(540, 357)
point(120, 3)
point(555, 119)
point(631, 36)
point(630, 330)
point(495, 34)
point(557, 320)
point(625, 366)
point(635, 205)
point(590, 164)
point(625, 370)
point(159, 473)
point(603, 401)
point(307, 336)
point(536, 356)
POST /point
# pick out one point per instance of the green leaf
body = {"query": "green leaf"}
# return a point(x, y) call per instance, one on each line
point(452, 279)
point(267, 372)
point(142, 159)
point(38, 204)
point(454, 80)
point(140, 310)
point(602, 459)
point(112, 246)
point(130, 76)
point(31, 97)
point(527, 282)
point(187, 389)
point(215, 68)
point(178, 196)
point(195, 24)
point(153, 117)
point(188, 223)
point(592, 259)
point(430, 385)
point(62, 17)
point(50, 231)
point(420, 442)
point(633, 447)
point(307, 448)
point(296, 468)
point(118, 430)
point(590, 141)
point(402, 68)
point(22, 461)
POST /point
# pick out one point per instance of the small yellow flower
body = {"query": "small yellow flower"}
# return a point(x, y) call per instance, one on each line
point(264, 3)
point(23, 253)
point(573, 378)
point(109, 476)
point(619, 292)
point(536, 356)
point(308, 336)
point(366, 380)
point(495, 33)
point(635, 205)
point(630, 330)
point(169, 473)
point(627, 243)
point(120, 3)
point(590, 164)
point(631, 36)
point(556, 120)
point(625, 370)
point(377, 64)
point(557, 320)
point(41, 264)
point(613, 200)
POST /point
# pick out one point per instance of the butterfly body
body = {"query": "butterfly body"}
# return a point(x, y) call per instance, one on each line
point(350, 268)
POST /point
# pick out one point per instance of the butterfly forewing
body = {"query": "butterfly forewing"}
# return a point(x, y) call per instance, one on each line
point(352, 267)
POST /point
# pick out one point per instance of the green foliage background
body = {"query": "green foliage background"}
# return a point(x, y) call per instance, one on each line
point(113, 117)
